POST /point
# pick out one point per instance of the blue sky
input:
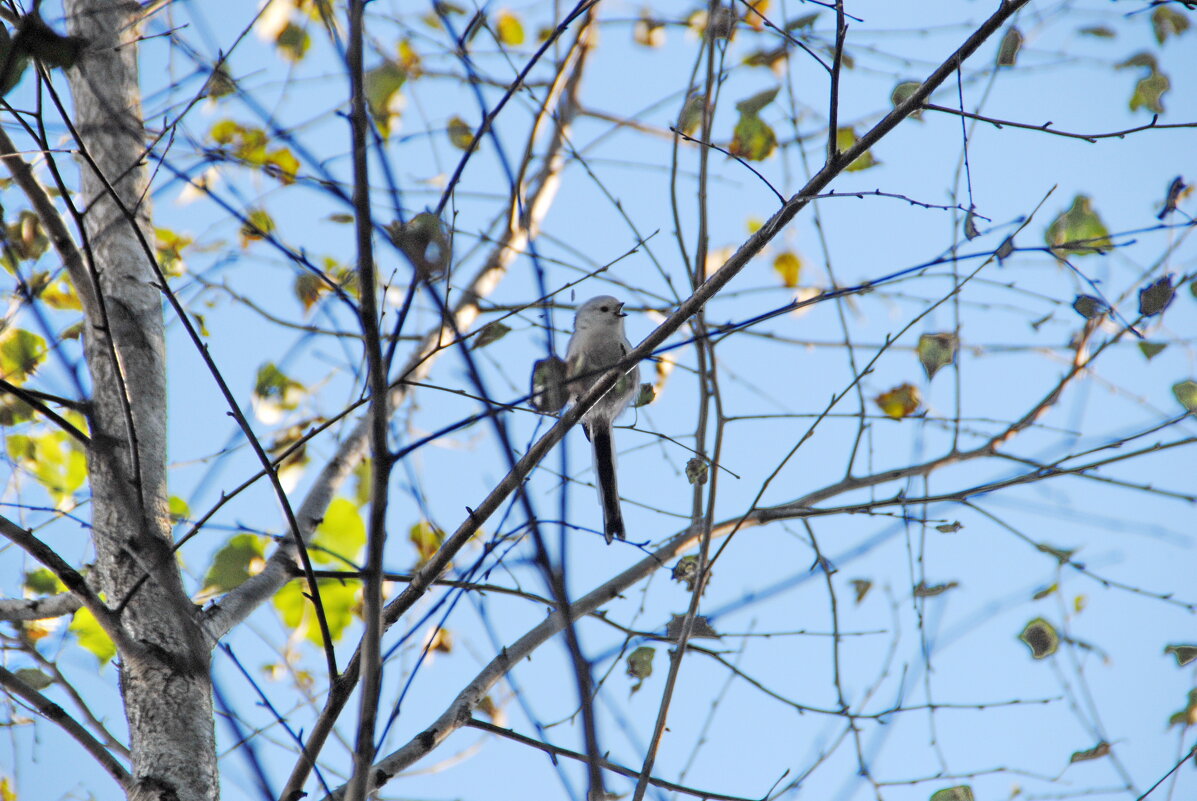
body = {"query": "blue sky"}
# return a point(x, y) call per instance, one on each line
point(1015, 319)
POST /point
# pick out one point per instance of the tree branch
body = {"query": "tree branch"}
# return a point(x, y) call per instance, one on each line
point(56, 714)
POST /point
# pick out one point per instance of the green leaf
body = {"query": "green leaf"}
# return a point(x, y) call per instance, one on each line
point(1096, 752)
point(640, 665)
point(34, 678)
point(702, 628)
point(14, 61)
point(936, 351)
point(805, 21)
point(690, 118)
point(21, 353)
point(1184, 653)
point(274, 393)
point(845, 139)
point(293, 42)
point(646, 395)
point(1151, 349)
point(753, 105)
point(43, 582)
point(1186, 394)
point(1177, 189)
point(902, 92)
point(1090, 307)
point(491, 333)
point(1143, 59)
point(382, 85)
point(91, 637)
point(424, 239)
point(339, 599)
point(1149, 93)
point(1079, 231)
point(686, 572)
point(970, 226)
point(696, 471)
point(925, 590)
point(1167, 21)
point(959, 793)
point(1008, 50)
point(1041, 637)
point(1156, 296)
point(860, 588)
point(753, 139)
point(179, 510)
point(220, 83)
point(640, 662)
point(1188, 715)
point(341, 535)
point(774, 59)
point(26, 237)
point(54, 459)
point(241, 557)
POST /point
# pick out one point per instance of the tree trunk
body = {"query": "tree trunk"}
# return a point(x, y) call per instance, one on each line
point(165, 682)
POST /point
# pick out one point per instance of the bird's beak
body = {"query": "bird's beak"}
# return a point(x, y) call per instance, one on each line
point(619, 312)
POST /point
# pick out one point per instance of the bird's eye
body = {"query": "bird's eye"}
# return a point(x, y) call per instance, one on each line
point(603, 308)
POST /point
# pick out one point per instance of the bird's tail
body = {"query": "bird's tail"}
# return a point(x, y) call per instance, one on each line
point(604, 466)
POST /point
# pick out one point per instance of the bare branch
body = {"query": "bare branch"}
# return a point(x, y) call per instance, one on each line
point(56, 714)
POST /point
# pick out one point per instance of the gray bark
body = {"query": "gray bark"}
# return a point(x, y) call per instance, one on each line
point(165, 681)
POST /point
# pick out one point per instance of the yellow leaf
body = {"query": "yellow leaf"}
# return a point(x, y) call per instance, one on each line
point(282, 165)
point(1186, 393)
point(427, 538)
point(258, 224)
point(789, 267)
point(899, 402)
point(509, 28)
point(845, 138)
point(441, 640)
point(91, 637)
point(21, 352)
point(648, 32)
point(754, 14)
point(460, 133)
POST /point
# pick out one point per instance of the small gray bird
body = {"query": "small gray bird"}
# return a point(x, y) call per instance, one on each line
point(598, 344)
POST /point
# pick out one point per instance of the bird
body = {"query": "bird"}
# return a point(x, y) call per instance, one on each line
point(598, 344)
